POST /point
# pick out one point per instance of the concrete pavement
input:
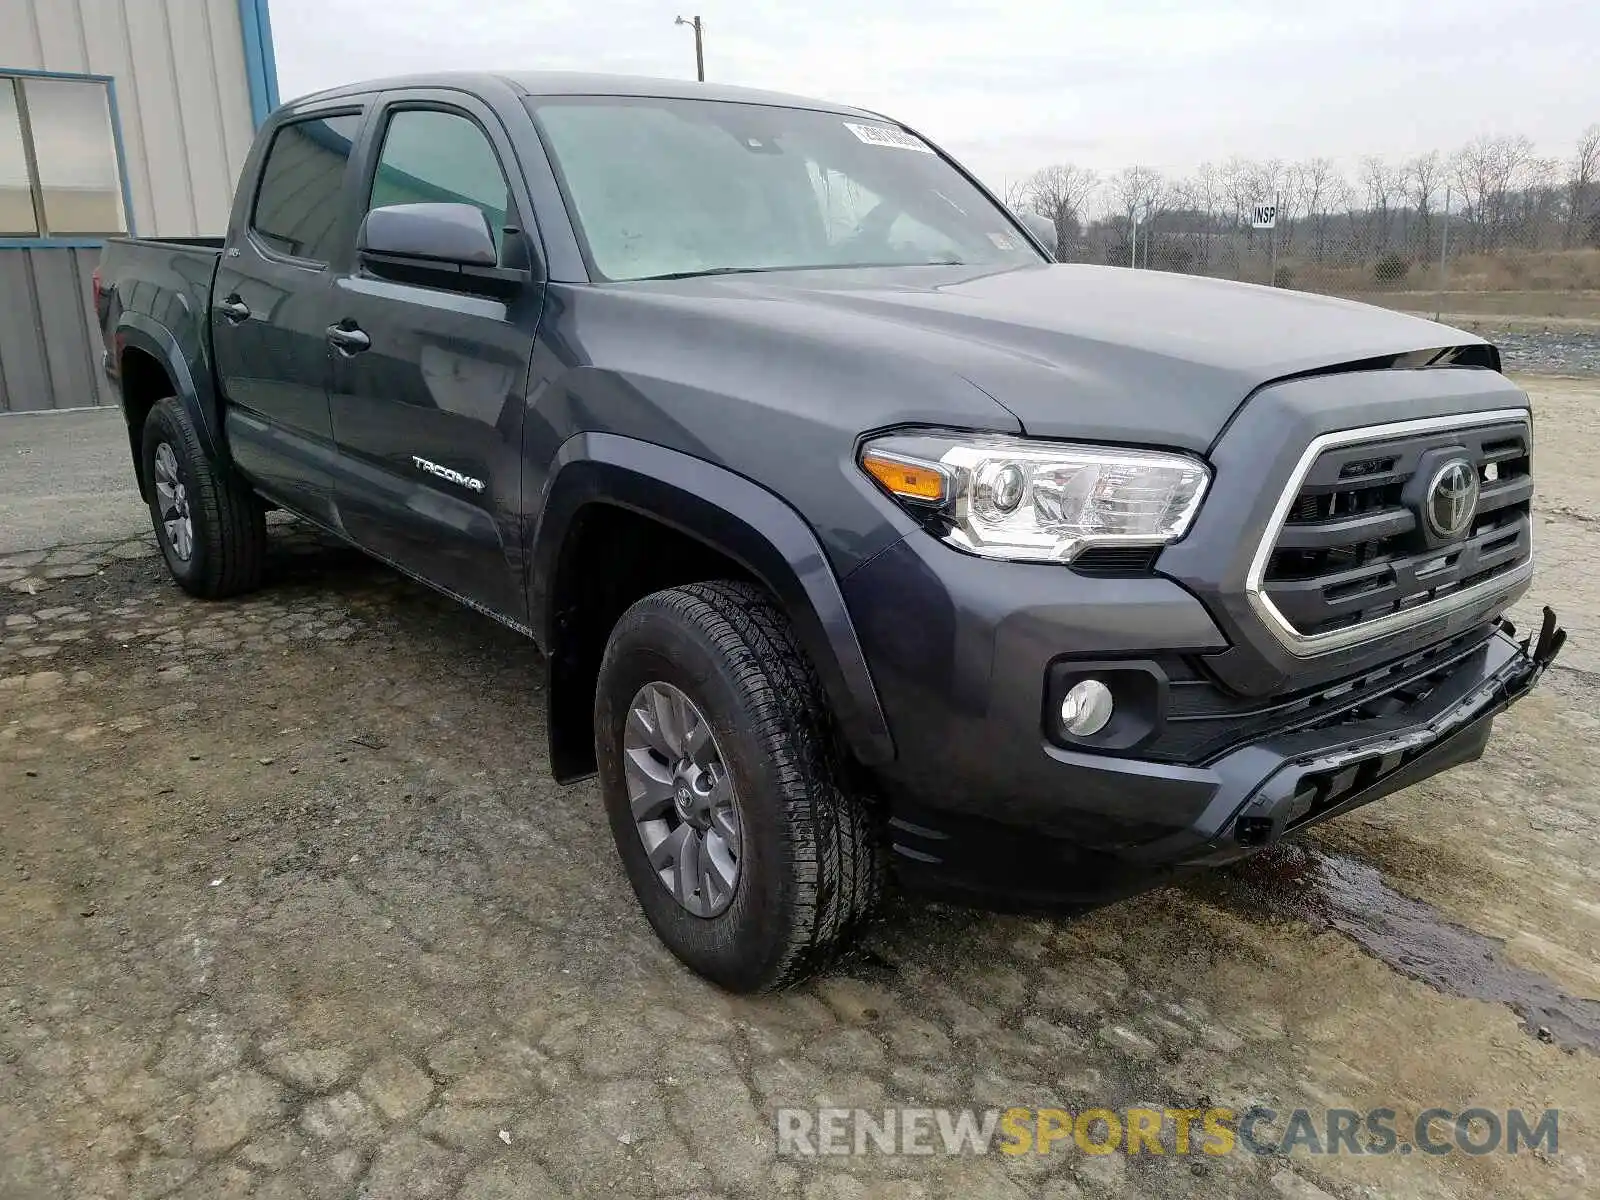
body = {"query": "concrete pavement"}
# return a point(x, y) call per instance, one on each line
point(66, 478)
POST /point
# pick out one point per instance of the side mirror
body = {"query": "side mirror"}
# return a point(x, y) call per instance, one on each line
point(437, 245)
point(1042, 228)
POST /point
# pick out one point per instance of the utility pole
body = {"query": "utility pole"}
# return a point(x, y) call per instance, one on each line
point(699, 46)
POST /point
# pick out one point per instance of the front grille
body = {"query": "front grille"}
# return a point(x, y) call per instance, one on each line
point(1352, 548)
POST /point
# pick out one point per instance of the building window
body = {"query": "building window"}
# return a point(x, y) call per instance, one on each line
point(59, 175)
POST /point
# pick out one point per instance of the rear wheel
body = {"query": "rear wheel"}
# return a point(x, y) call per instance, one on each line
point(211, 528)
point(751, 860)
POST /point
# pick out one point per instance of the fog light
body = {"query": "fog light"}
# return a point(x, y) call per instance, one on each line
point(1086, 708)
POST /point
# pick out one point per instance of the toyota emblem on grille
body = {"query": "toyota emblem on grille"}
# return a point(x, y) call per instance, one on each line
point(1452, 499)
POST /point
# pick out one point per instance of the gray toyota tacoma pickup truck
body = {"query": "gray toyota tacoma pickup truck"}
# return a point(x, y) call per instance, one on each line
point(859, 537)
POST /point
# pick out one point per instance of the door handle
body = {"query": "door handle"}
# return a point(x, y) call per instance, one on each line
point(348, 340)
point(234, 310)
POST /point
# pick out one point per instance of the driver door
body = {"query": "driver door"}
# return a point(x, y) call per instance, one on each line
point(428, 388)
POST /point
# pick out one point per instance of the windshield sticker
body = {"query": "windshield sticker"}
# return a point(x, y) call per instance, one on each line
point(889, 136)
point(1003, 241)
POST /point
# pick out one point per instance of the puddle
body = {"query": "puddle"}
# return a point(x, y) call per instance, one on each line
point(1339, 892)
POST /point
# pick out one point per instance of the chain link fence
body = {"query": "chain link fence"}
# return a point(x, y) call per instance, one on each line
point(1493, 232)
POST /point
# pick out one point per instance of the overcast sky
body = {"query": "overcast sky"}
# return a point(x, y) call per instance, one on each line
point(1012, 84)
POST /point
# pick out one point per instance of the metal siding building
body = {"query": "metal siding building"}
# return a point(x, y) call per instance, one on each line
point(185, 84)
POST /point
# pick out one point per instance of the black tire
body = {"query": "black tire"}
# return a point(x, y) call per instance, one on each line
point(811, 870)
point(229, 542)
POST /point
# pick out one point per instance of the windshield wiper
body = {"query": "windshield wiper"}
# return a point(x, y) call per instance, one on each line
point(939, 262)
point(713, 271)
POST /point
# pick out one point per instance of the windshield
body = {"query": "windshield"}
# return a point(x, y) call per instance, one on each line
point(663, 187)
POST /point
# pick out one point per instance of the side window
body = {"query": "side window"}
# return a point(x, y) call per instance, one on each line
point(297, 203)
point(440, 157)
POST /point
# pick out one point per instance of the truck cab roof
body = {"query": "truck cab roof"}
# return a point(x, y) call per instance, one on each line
point(581, 83)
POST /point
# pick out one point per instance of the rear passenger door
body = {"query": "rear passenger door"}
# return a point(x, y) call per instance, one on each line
point(428, 414)
point(269, 306)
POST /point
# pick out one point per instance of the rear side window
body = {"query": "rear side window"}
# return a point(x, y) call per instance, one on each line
point(440, 157)
point(297, 204)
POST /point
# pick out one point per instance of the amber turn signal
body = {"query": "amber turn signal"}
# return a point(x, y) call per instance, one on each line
point(908, 480)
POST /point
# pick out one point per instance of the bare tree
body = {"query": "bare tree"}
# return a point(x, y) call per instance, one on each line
point(1487, 169)
point(1514, 167)
point(1204, 193)
point(1381, 183)
point(1314, 183)
point(1059, 192)
point(1238, 179)
point(1140, 194)
point(1472, 168)
point(1581, 178)
point(1268, 181)
point(1014, 194)
point(1419, 182)
point(1501, 195)
point(1533, 203)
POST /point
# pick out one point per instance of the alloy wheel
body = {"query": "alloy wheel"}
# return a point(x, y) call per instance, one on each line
point(172, 499)
point(683, 800)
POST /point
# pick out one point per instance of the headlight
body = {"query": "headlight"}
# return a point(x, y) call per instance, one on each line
point(1037, 501)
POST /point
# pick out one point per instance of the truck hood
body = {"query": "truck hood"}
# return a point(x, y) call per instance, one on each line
point(1078, 351)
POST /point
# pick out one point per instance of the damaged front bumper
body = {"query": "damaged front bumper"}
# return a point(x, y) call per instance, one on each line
point(1252, 797)
point(1278, 787)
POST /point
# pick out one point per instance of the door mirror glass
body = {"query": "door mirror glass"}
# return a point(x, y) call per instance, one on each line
point(442, 233)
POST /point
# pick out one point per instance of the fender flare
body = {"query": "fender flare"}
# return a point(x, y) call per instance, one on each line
point(735, 517)
point(136, 330)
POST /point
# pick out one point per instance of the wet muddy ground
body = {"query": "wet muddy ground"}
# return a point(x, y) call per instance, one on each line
point(289, 908)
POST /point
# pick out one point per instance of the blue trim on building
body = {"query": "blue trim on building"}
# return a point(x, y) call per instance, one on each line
point(55, 243)
point(260, 61)
point(128, 218)
point(79, 241)
point(29, 73)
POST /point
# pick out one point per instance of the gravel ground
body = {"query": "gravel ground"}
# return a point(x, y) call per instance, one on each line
point(289, 909)
point(1553, 351)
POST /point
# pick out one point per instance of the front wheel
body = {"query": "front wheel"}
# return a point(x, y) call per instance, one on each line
point(211, 527)
point(751, 860)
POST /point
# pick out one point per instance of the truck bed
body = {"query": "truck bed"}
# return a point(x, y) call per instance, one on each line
point(158, 290)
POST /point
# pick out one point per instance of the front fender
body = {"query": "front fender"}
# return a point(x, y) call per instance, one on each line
point(735, 517)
